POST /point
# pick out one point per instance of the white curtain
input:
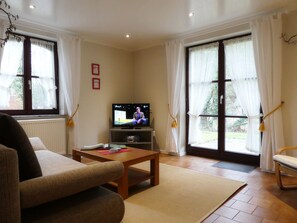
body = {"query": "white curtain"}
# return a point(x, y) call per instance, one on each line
point(175, 52)
point(42, 65)
point(10, 62)
point(3, 27)
point(203, 68)
point(240, 66)
point(69, 52)
point(266, 33)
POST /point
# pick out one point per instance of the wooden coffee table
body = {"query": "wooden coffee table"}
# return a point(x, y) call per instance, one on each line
point(131, 175)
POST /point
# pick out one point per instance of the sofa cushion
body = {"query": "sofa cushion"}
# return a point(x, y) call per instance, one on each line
point(13, 136)
point(37, 144)
point(286, 160)
point(52, 163)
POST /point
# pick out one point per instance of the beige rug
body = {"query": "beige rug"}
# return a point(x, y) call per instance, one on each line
point(183, 196)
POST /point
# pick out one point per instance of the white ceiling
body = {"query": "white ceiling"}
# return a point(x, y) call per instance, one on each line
point(149, 22)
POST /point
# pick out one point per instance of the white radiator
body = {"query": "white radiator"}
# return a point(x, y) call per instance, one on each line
point(52, 132)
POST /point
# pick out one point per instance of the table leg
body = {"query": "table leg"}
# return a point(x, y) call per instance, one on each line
point(155, 170)
point(123, 184)
point(75, 156)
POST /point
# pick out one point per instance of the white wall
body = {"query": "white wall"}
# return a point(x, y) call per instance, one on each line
point(116, 77)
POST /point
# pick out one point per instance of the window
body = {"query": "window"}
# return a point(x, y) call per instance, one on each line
point(29, 81)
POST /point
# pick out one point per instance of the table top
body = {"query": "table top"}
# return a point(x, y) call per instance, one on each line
point(132, 154)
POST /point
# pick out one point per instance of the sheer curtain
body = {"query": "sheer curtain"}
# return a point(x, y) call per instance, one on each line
point(10, 62)
point(175, 73)
point(240, 66)
point(3, 27)
point(203, 62)
point(69, 50)
point(266, 34)
point(42, 56)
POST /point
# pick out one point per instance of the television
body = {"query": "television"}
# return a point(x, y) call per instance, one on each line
point(128, 115)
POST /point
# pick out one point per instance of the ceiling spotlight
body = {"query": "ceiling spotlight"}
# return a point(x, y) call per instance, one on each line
point(32, 6)
point(191, 14)
point(127, 36)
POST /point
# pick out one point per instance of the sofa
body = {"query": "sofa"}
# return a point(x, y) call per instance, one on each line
point(49, 187)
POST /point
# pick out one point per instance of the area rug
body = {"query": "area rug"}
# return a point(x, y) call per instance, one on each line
point(235, 166)
point(183, 195)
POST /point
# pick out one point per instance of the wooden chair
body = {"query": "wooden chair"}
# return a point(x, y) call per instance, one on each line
point(286, 164)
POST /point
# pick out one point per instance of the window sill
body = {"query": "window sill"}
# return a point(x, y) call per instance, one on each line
point(27, 117)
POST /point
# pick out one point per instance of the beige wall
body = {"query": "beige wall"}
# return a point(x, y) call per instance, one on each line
point(116, 76)
point(289, 81)
point(150, 85)
point(125, 77)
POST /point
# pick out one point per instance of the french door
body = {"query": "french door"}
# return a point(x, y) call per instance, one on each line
point(220, 117)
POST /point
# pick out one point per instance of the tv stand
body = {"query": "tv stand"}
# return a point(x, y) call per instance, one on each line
point(143, 137)
point(130, 127)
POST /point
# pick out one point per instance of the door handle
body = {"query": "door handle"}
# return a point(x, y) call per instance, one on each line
point(221, 99)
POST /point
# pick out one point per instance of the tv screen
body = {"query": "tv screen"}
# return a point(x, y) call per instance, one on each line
point(131, 115)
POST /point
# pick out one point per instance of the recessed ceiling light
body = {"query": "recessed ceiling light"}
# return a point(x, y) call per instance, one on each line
point(127, 36)
point(32, 6)
point(191, 14)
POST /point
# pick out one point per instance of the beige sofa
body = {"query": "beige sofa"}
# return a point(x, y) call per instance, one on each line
point(67, 191)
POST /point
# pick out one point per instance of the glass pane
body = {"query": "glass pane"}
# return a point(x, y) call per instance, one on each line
point(236, 135)
point(211, 107)
point(41, 95)
point(232, 105)
point(43, 75)
point(13, 98)
point(203, 61)
point(209, 133)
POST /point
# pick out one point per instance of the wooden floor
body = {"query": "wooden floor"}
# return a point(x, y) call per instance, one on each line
point(261, 201)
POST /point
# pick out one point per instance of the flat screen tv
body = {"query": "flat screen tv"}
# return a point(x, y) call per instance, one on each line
point(127, 115)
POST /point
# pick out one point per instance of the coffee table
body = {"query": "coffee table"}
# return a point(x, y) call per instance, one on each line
point(131, 175)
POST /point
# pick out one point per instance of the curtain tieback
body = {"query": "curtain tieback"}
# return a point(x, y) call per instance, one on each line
point(174, 122)
point(262, 126)
point(70, 121)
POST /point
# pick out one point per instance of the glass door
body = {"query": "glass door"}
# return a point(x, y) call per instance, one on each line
point(220, 123)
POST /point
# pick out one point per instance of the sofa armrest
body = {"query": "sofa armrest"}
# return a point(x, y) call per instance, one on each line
point(10, 210)
point(40, 190)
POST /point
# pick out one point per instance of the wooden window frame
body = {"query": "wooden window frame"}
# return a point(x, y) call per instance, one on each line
point(28, 110)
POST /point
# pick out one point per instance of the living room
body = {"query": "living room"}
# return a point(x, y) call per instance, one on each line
point(140, 75)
